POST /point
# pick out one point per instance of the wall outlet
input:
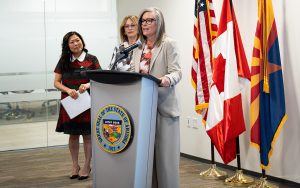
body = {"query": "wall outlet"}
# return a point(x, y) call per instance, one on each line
point(189, 123)
point(195, 123)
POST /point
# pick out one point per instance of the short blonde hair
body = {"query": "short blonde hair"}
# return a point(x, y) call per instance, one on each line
point(134, 20)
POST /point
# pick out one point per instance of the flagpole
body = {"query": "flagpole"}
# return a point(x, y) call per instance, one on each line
point(212, 151)
point(263, 172)
point(204, 38)
point(238, 156)
point(238, 179)
point(213, 172)
point(262, 182)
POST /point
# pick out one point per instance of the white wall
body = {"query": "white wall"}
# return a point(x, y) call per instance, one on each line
point(179, 19)
point(32, 31)
point(31, 35)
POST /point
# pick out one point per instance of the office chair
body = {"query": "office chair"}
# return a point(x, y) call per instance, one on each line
point(17, 113)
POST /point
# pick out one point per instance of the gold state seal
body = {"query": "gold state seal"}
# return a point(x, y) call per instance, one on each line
point(113, 128)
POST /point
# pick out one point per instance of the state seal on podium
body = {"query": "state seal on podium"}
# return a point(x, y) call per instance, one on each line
point(113, 128)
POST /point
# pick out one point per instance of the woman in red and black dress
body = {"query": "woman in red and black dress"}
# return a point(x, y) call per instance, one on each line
point(74, 58)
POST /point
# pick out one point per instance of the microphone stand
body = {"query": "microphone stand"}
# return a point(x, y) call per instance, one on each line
point(119, 56)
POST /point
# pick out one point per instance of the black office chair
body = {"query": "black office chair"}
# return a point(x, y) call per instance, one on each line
point(52, 106)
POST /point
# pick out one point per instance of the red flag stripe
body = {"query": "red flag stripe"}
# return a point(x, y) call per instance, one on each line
point(254, 92)
point(202, 61)
point(255, 70)
point(204, 31)
point(256, 53)
point(272, 36)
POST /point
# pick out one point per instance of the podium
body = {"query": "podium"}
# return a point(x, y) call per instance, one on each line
point(122, 156)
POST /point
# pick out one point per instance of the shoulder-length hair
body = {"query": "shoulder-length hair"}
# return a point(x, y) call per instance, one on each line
point(66, 53)
point(134, 20)
point(160, 32)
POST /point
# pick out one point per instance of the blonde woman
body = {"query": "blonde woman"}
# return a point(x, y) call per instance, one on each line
point(129, 35)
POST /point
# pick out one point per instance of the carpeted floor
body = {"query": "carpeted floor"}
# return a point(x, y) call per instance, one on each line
point(50, 167)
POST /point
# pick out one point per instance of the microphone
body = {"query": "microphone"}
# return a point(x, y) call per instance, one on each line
point(130, 48)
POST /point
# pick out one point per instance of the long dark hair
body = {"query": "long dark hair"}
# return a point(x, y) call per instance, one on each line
point(66, 53)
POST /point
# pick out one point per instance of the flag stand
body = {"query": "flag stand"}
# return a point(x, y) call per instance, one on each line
point(263, 35)
point(263, 183)
point(213, 172)
point(238, 179)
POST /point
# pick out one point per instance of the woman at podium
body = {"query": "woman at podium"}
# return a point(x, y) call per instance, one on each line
point(75, 58)
point(129, 35)
point(159, 57)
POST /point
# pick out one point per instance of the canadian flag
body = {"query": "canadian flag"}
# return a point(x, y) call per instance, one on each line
point(225, 120)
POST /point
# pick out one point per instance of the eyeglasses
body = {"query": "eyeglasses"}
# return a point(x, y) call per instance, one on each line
point(147, 21)
point(129, 26)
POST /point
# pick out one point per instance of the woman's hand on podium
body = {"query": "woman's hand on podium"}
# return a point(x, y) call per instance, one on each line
point(165, 81)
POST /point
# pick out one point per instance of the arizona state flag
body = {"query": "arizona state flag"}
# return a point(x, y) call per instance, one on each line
point(225, 119)
point(268, 113)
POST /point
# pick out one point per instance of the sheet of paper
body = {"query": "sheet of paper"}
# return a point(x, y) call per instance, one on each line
point(74, 107)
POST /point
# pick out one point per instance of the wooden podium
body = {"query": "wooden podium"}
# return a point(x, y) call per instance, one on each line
point(123, 115)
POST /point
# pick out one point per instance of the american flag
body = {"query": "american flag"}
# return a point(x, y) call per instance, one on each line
point(205, 31)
